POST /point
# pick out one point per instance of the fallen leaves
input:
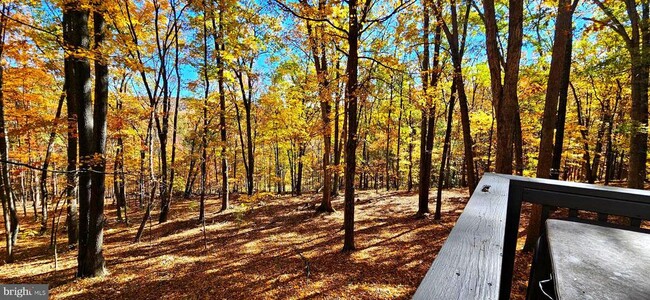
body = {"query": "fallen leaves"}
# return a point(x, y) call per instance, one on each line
point(256, 254)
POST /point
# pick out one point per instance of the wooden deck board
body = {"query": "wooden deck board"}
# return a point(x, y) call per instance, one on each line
point(596, 262)
point(469, 264)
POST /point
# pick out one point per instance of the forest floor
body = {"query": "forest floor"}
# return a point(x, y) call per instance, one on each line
point(273, 248)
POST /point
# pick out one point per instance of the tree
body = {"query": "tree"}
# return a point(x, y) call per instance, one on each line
point(220, 47)
point(154, 66)
point(556, 89)
point(563, 32)
point(427, 128)
point(177, 74)
point(358, 22)
point(119, 176)
point(249, 43)
point(72, 213)
point(12, 226)
point(351, 96)
point(204, 127)
point(456, 36)
point(637, 42)
point(317, 44)
point(504, 94)
point(92, 132)
point(95, 265)
point(445, 150)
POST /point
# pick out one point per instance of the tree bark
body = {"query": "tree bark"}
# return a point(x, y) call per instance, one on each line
point(456, 38)
point(80, 91)
point(387, 159)
point(399, 134)
point(46, 162)
point(172, 171)
point(637, 39)
point(95, 265)
point(119, 178)
point(72, 213)
point(409, 183)
point(558, 61)
point(352, 140)
point(8, 202)
point(248, 151)
point(220, 46)
point(147, 214)
point(556, 90)
point(204, 131)
point(609, 154)
point(445, 151)
point(429, 80)
point(504, 94)
point(319, 56)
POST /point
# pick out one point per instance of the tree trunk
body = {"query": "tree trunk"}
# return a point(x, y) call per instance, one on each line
point(95, 265)
point(387, 151)
point(119, 178)
point(204, 131)
point(337, 142)
point(490, 137)
point(220, 46)
point(247, 152)
point(518, 144)
point(162, 124)
point(172, 172)
point(326, 201)
point(190, 173)
point(428, 114)
point(639, 115)
point(609, 154)
point(561, 112)
point(638, 45)
point(409, 183)
point(118, 181)
point(558, 62)
point(46, 163)
point(399, 134)
point(147, 214)
point(72, 213)
point(352, 139)
point(445, 150)
point(456, 39)
point(302, 148)
point(8, 202)
point(504, 95)
point(319, 56)
point(556, 89)
point(79, 39)
point(467, 137)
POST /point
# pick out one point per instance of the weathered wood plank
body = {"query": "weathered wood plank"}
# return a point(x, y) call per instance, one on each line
point(469, 264)
point(614, 265)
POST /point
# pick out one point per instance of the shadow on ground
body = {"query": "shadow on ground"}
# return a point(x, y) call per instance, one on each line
point(278, 249)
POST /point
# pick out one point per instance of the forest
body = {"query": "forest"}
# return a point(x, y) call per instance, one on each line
point(295, 148)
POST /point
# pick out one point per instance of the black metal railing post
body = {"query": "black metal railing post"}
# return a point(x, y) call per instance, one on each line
point(513, 213)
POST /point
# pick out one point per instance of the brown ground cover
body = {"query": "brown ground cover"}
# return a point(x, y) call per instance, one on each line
point(274, 248)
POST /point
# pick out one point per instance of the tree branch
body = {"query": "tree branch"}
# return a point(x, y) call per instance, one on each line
point(288, 9)
point(617, 26)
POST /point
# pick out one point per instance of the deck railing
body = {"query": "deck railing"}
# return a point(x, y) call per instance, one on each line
point(477, 260)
